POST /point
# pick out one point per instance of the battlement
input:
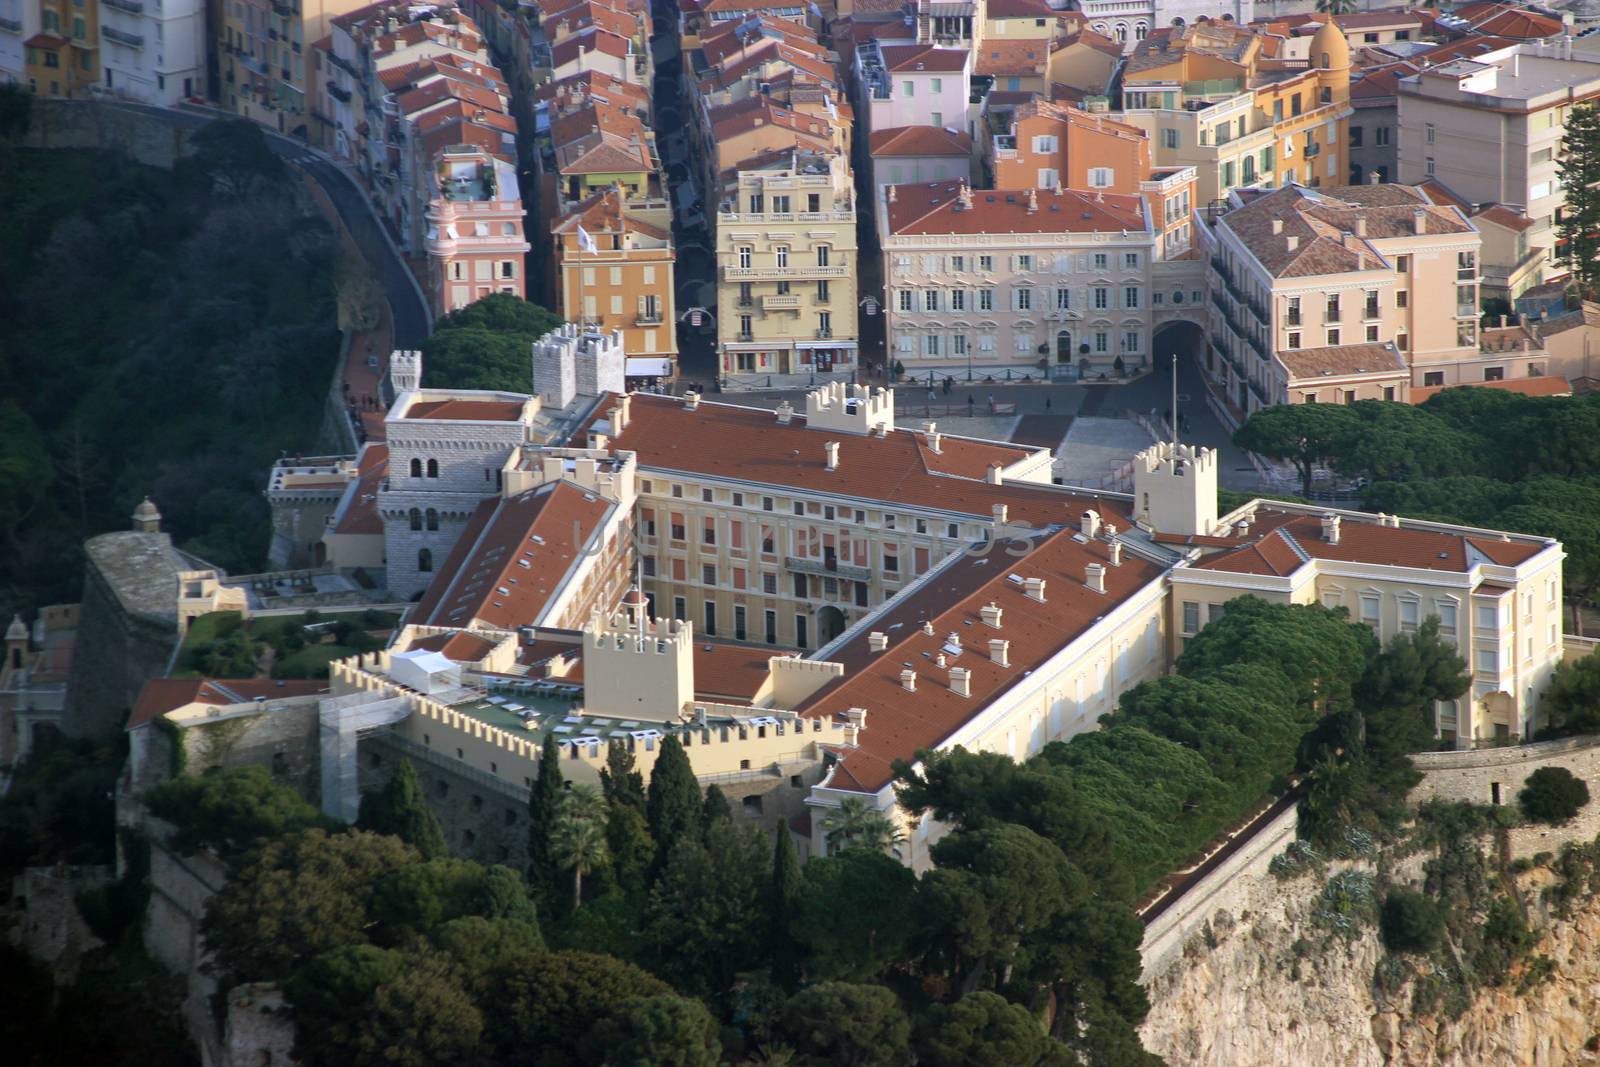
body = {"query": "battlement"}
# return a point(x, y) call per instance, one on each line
point(606, 474)
point(642, 670)
point(405, 370)
point(791, 680)
point(855, 409)
point(570, 361)
point(1175, 488)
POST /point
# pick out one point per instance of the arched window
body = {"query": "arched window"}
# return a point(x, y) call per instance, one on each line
point(433, 519)
point(1327, 95)
point(425, 560)
point(416, 468)
point(1324, 63)
point(1178, 22)
point(1140, 31)
point(416, 519)
point(433, 468)
point(1122, 32)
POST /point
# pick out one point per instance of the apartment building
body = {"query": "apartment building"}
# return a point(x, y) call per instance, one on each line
point(18, 22)
point(1530, 88)
point(786, 266)
point(474, 241)
point(1024, 278)
point(1208, 96)
point(153, 52)
point(914, 154)
point(1045, 145)
point(617, 276)
point(267, 74)
point(914, 85)
point(61, 53)
point(1350, 294)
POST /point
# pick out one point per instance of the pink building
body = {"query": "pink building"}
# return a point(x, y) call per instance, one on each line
point(475, 241)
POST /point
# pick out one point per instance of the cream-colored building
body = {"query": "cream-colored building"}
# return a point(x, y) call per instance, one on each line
point(1529, 89)
point(1352, 294)
point(1023, 278)
point(786, 268)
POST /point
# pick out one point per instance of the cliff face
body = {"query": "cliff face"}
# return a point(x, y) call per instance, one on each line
point(1274, 985)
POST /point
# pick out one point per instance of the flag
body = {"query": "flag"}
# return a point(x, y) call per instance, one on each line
point(586, 240)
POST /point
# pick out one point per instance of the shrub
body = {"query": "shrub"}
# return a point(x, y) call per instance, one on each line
point(1553, 795)
point(1411, 921)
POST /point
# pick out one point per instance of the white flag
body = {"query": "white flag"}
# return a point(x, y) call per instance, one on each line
point(586, 240)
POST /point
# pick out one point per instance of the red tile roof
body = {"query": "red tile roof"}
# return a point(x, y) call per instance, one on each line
point(461, 646)
point(920, 141)
point(358, 511)
point(914, 58)
point(161, 695)
point(590, 40)
point(1509, 20)
point(1001, 58)
point(1548, 385)
point(512, 558)
point(726, 671)
point(1359, 542)
point(935, 208)
point(460, 410)
point(899, 723)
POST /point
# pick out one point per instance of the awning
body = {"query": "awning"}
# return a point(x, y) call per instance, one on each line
point(824, 344)
point(649, 367)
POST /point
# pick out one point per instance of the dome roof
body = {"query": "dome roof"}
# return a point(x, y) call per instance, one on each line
point(1329, 41)
point(146, 512)
point(633, 598)
point(18, 630)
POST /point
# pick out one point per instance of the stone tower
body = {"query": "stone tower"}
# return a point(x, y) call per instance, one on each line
point(1175, 488)
point(405, 370)
point(638, 670)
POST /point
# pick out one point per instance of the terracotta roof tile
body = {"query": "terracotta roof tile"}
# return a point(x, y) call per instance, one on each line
point(461, 646)
point(935, 208)
point(459, 410)
point(161, 695)
point(1547, 385)
point(913, 58)
point(1000, 58)
point(1306, 365)
point(1363, 542)
point(358, 509)
point(920, 141)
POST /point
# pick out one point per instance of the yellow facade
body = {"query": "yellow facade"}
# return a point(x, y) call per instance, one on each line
point(62, 59)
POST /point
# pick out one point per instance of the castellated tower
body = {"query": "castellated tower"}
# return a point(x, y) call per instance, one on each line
point(569, 362)
point(1175, 488)
point(640, 669)
point(405, 370)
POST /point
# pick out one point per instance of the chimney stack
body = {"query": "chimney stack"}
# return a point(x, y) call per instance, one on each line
point(999, 511)
point(1292, 243)
point(960, 681)
point(877, 641)
point(1033, 201)
point(1033, 589)
point(1419, 220)
point(953, 639)
point(927, 627)
point(1115, 550)
point(691, 399)
point(1095, 577)
point(1374, 178)
point(991, 613)
point(785, 413)
point(832, 451)
point(994, 475)
point(908, 680)
point(1361, 227)
point(1330, 528)
point(1242, 527)
point(1089, 524)
point(1277, 227)
point(1000, 651)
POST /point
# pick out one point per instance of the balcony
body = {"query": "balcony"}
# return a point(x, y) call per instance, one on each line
point(132, 40)
point(786, 302)
point(11, 25)
point(132, 7)
point(648, 317)
point(339, 94)
point(827, 568)
point(1467, 311)
point(824, 335)
point(778, 274)
point(1293, 318)
point(744, 336)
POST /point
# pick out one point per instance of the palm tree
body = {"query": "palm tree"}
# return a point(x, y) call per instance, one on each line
point(1336, 7)
point(585, 802)
point(581, 845)
point(855, 824)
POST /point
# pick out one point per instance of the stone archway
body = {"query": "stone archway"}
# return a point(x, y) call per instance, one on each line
point(830, 624)
point(1180, 337)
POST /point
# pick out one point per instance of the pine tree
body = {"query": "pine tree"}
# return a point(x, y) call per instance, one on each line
point(399, 809)
point(716, 808)
point(544, 809)
point(622, 784)
point(672, 807)
point(1578, 230)
point(781, 902)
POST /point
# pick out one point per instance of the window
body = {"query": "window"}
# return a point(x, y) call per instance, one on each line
point(905, 298)
point(1402, 298)
point(1169, 138)
point(822, 255)
point(711, 618)
point(891, 560)
point(1409, 611)
point(1447, 617)
point(1484, 661)
point(1101, 177)
point(1130, 341)
point(416, 518)
point(1402, 264)
point(823, 294)
point(1333, 338)
point(986, 263)
point(680, 608)
point(1130, 261)
point(1333, 308)
point(1380, 136)
point(1428, 133)
point(985, 299)
point(1427, 166)
point(1063, 299)
point(770, 624)
point(769, 584)
point(1494, 374)
point(1130, 296)
point(1372, 333)
point(745, 253)
point(1191, 618)
point(937, 85)
point(801, 626)
point(1045, 143)
point(1102, 298)
point(425, 560)
point(782, 252)
point(1024, 299)
point(1047, 178)
point(1487, 617)
point(1024, 262)
point(1292, 312)
point(433, 468)
point(930, 300)
point(433, 519)
point(1369, 609)
point(958, 300)
point(1355, 136)
point(1294, 339)
point(931, 345)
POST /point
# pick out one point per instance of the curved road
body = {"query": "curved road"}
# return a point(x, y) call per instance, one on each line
point(411, 321)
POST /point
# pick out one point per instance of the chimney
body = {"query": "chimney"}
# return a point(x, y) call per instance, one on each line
point(1033, 589)
point(1108, 530)
point(832, 451)
point(963, 197)
point(1242, 527)
point(1000, 651)
point(785, 413)
point(927, 627)
point(960, 681)
point(999, 513)
point(1361, 227)
point(990, 613)
point(691, 400)
point(1419, 220)
point(1330, 528)
point(1089, 524)
point(1115, 550)
point(855, 720)
point(1277, 227)
point(994, 477)
point(1033, 201)
point(1374, 178)
point(908, 680)
point(1292, 243)
point(940, 661)
point(953, 639)
point(1095, 577)
point(877, 641)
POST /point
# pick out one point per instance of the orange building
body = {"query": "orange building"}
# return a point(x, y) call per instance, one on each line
point(1051, 144)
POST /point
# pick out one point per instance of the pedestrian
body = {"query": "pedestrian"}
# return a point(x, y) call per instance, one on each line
point(930, 394)
point(1047, 403)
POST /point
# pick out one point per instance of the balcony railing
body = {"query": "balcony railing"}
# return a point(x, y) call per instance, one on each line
point(824, 335)
point(1292, 318)
point(783, 273)
point(132, 7)
point(744, 335)
point(648, 317)
point(780, 302)
point(1467, 311)
point(826, 568)
point(132, 40)
point(11, 25)
point(339, 94)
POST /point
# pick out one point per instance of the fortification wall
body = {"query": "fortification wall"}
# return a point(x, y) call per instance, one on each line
point(118, 653)
point(146, 136)
point(1497, 775)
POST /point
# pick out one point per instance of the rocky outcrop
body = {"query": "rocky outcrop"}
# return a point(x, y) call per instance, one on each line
point(1280, 983)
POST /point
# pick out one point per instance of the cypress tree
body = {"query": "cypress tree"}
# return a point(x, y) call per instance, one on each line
point(621, 782)
point(1578, 230)
point(716, 808)
point(399, 809)
point(672, 806)
point(781, 903)
point(544, 811)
